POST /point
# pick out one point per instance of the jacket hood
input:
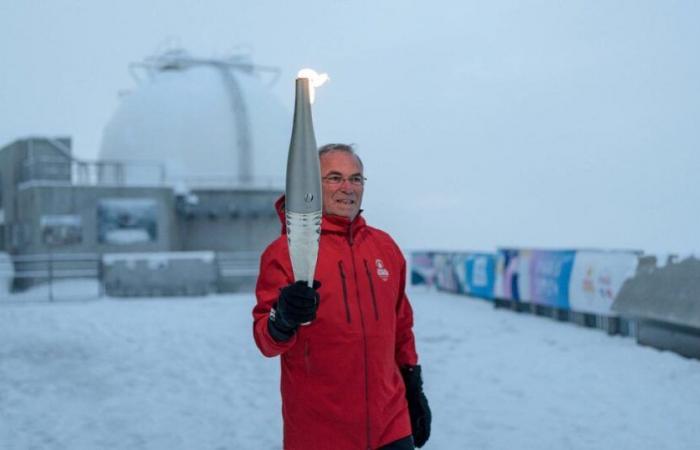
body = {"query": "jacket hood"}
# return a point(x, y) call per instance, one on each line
point(329, 223)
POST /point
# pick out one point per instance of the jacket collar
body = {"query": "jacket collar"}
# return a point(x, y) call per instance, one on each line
point(329, 223)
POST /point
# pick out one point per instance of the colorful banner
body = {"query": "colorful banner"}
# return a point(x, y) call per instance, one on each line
point(597, 278)
point(480, 275)
point(422, 269)
point(446, 278)
point(583, 281)
point(462, 272)
point(549, 275)
point(507, 275)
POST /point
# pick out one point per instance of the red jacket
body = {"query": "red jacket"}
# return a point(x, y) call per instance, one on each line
point(341, 384)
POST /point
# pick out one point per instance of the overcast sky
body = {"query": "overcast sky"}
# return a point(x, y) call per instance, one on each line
point(553, 124)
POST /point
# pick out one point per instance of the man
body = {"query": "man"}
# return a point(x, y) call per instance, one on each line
point(350, 378)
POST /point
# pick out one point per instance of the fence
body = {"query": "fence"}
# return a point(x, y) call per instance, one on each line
point(54, 276)
point(82, 276)
point(579, 286)
point(622, 292)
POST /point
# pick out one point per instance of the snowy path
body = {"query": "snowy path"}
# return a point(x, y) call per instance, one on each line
point(171, 374)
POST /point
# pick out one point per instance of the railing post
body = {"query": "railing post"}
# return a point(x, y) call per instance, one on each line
point(50, 274)
point(100, 276)
point(219, 275)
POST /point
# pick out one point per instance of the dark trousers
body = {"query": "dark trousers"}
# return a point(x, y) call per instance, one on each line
point(402, 444)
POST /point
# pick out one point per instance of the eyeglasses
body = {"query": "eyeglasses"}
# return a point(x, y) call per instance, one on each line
point(355, 180)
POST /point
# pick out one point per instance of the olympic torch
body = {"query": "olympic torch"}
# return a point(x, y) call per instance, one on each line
point(303, 205)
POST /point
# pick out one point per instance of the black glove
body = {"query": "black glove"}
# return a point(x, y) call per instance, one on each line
point(297, 304)
point(418, 407)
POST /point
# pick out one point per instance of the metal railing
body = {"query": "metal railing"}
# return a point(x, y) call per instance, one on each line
point(49, 270)
point(48, 275)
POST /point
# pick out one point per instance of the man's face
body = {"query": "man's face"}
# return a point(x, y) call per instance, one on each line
point(344, 198)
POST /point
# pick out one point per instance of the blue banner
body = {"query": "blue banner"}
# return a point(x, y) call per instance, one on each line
point(550, 273)
point(480, 275)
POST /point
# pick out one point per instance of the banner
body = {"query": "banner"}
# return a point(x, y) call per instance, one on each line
point(508, 275)
point(480, 275)
point(422, 269)
point(445, 273)
point(549, 276)
point(584, 281)
point(597, 278)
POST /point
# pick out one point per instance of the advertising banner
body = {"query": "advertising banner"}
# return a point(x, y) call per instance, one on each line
point(422, 269)
point(480, 275)
point(549, 276)
point(459, 269)
point(508, 271)
point(597, 278)
point(445, 274)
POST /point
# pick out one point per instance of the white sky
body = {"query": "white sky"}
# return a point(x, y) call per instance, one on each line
point(540, 123)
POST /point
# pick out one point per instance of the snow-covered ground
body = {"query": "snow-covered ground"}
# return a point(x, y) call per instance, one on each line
point(167, 374)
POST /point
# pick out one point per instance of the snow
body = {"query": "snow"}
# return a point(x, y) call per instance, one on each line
point(70, 290)
point(184, 373)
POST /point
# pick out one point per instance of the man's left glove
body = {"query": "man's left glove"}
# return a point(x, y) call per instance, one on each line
point(417, 404)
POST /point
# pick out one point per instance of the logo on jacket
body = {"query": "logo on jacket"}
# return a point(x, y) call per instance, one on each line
point(381, 270)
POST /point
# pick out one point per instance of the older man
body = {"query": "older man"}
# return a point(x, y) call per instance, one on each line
point(350, 378)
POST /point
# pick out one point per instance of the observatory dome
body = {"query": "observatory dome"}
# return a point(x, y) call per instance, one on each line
point(211, 122)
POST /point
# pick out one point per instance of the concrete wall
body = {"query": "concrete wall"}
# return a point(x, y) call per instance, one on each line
point(227, 220)
point(664, 336)
point(669, 293)
point(83, 202)
point(665, 301)
point(36, 181)
point(159, 274)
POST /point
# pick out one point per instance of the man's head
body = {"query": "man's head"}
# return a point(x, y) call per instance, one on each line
point(342, 180)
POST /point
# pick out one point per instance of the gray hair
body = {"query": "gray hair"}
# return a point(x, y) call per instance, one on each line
point(347, 148)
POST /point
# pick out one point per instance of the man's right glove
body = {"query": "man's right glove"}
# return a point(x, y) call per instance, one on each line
point(296, 304)
point(418, 407)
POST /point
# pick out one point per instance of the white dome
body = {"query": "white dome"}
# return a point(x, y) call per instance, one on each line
point(198, 121)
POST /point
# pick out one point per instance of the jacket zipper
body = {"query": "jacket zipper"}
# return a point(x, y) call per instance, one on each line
point(371, 289)
point(345, 291)
point(364, 339)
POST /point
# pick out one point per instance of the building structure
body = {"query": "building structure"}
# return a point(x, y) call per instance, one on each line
point(192, 160)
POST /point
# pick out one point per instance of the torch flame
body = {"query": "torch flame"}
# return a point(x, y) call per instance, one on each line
point(315, 80)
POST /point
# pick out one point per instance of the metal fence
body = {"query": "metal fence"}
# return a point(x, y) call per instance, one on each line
point(81, 276)
point(56, 276)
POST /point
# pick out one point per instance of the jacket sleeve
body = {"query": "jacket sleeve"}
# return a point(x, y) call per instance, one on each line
point(273, 276)
point(405, 341)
